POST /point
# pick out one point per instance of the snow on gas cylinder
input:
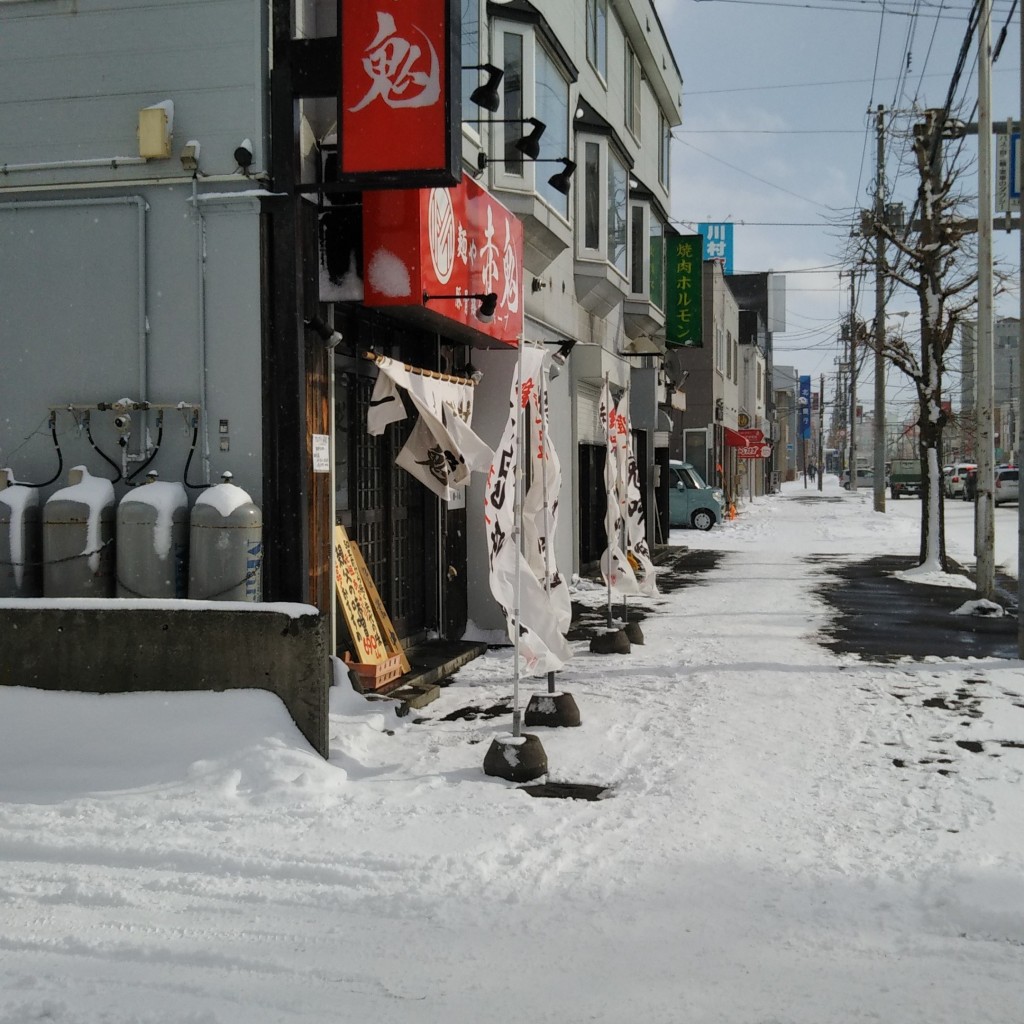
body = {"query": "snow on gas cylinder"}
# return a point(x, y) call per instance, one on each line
point(152, 541)
point(21, 539)
point(78, 538)
point(225, 545)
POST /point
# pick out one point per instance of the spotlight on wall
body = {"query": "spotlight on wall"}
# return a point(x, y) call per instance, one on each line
point(243, 155)
point(558, 358)
point(488, 303)
point(330, 337)
point(190, 155)
point(529, 144)
point(559, 181)
point(486, 95)
point(562, 354)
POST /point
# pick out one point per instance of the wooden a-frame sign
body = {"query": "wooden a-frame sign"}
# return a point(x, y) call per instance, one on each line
point(377, 650)
point(391, 641)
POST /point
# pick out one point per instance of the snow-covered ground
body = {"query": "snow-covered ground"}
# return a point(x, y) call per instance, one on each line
point(788, 836)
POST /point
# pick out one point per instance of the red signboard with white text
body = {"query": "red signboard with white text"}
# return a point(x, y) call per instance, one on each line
point(445, 242)
point(399, 100)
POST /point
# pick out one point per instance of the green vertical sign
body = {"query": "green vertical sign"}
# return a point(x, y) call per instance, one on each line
point(683, 264)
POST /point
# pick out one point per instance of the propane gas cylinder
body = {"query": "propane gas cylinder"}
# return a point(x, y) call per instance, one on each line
point(225, 545)
point(21, 539)
point(152, 541)
point(78, 538)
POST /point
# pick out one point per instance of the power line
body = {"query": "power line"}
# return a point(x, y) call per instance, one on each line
point(901, 8)
point(807, 85)
point(756, 223)
point(677, 132)
point(763, 181)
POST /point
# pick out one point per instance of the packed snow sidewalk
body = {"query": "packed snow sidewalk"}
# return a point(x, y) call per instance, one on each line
point(788, 836)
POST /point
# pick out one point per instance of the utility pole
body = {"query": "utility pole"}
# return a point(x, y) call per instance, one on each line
point(853, 386)
point(984, 508)
point(821, 432)
point(1020, 414)
point(879, 425)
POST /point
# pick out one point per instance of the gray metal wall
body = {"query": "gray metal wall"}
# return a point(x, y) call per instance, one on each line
point(130, 281)
point(80, 283)
point(74, 74)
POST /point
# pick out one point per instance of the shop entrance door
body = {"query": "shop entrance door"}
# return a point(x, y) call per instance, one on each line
point(387, 512)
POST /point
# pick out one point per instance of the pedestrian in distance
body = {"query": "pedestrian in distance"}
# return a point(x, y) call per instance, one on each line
point(971, 485)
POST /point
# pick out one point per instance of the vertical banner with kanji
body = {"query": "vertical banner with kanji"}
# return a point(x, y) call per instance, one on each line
point(512, 580)
point(540, 507)
point(637, 551)
point(805, 407)
point(683, 280)
point(615, 565)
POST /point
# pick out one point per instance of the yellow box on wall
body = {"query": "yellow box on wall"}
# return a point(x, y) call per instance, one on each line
point(154, 133)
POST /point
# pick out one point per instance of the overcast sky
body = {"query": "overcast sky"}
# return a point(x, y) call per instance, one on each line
point(777, 137)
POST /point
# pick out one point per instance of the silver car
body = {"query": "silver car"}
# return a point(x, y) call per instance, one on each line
point(1006, 484)
point(956, 481)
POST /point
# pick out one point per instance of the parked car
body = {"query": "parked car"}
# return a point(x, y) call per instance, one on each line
point(865, 479)
point(691, 502)
point(1006, 484)
point(956, 481)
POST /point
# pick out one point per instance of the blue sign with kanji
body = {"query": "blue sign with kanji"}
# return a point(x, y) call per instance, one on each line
point(718, 243)
point(805, 407)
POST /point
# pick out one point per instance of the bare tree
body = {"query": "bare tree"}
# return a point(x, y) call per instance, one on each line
point(933, 260)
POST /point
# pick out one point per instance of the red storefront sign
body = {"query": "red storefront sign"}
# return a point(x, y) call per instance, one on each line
point(399, 99)
point(445, 242)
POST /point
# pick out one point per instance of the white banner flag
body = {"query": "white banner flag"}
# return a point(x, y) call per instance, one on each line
point(540, 507)
point(637, 551)
point(618, 573)
point(541, 642)
point(442, 448)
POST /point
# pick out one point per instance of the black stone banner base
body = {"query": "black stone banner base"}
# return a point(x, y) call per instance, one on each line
point(611, 643)
point(633, 632)
point(516, 758)
point(552, 709)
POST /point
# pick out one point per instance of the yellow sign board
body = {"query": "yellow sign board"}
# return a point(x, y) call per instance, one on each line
point(366, 633)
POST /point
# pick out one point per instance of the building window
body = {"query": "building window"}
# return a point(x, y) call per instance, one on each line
point(592, 196)
point(534, 85)
point(646, 253)
point(512, 99)
point(552, 107)
point(656, 287)
point(633, 79)
point(470, 54)
point(604, 205)
point(597, 36)
point(664, 139)
point(618, 185)
point(637, 250)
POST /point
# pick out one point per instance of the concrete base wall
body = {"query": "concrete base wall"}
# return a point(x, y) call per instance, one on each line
point(107, 650)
